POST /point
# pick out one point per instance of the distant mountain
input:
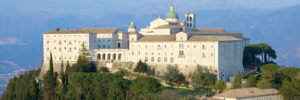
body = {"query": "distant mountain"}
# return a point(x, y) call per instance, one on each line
point(279, 28)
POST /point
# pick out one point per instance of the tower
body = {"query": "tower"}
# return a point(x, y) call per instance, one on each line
point(190, 20)
point(131, 27)
point(172, 16)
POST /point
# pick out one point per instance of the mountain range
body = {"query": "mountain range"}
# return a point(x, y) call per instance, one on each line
point(21, 33)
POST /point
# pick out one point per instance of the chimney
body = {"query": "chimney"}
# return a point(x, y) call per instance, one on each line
point(57, 29)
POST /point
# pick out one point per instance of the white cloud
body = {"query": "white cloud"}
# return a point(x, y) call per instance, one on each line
point(10, 62)
point(11, 41)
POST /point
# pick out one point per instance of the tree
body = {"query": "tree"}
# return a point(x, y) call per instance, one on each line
point(173, 76)
point(251, 52)
point(264, 84)
point(220, 86)
point(49, 82)
point(145, 85)
point(23, 87)
point(103, 69)
point(141, 67)
point(237, 80)
point(209, 80)
point(251, 81)
point(197, 77)
point(290, 89)
point(84, 63)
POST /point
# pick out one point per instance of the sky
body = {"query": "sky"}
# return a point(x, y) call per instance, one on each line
point(17, 14)
point(103, 7)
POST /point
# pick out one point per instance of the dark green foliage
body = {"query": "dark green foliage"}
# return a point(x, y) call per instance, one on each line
point(23, 87)
point(141, 67)
point(49, 83)
point(174, 77)
point(220, 86)
point(237, 80)
point(251, 81)
point(197, 77)
point(145, 85)
point(251, 53)
point(290, 89)
point(103, 69)
point(291, 72)
point(84, 63)
point(264, 84)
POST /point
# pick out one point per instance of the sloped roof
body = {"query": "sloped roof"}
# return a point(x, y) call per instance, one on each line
point(157, 38)
point(101, 30)
point(168, 38)
point(246, 92)
point(214, 38)
point(211, 32)
point(67, 31)
point(168, 27)
point(209, 29)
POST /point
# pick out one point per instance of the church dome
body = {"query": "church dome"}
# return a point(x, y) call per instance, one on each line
point(131, 26)
point(172, 13)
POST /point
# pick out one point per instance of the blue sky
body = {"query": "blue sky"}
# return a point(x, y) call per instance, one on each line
point(104, 7)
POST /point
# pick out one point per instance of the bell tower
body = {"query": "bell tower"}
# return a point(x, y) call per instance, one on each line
point(190, 20)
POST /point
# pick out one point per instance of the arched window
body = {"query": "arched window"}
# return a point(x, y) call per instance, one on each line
point(103, 56)
point(108, 56)
point(99, 56)
point(119, 58)
point(114, 56)
point(191, 19)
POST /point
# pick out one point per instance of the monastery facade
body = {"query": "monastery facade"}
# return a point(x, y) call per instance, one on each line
point(163, 43)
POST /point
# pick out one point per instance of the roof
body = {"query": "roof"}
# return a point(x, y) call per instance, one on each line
point(157, 38)
point(132, 26)
point(101, 30)
point(172, 13)
point(246, 92)
point(168, 38)
point(211, 32)
point(67, 31)
point(85, 30)
point(214, 38)
point(209, 29)
point(168, 27)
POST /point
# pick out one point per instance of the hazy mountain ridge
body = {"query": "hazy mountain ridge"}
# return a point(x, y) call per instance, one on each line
point(279, 28)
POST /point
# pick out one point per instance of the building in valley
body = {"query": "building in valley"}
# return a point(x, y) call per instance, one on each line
point(164, 42)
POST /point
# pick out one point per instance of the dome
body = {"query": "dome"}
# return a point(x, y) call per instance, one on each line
point(172, 13)
point(131, 26)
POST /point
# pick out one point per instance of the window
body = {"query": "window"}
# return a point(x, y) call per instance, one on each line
point(59, 43)
point(132, 53)
point(165, 59)
point(203, 47)
point(203, 55)
point(119, 45)
point(181, 53)
point(47, 42)
point(181, 46)
point(172, 59)
point(158, 59)
point(146, 59)
point(152, 59)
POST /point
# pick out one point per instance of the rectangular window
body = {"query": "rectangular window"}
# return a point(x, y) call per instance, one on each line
point(152, 59)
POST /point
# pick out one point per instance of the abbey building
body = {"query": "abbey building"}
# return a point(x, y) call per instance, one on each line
point(164, 42)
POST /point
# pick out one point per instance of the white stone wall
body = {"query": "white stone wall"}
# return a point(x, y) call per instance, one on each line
point(230, 58)
point(65, 47)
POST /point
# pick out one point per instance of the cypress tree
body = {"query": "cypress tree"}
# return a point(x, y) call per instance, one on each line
point(49, 82)
point(237, 81)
